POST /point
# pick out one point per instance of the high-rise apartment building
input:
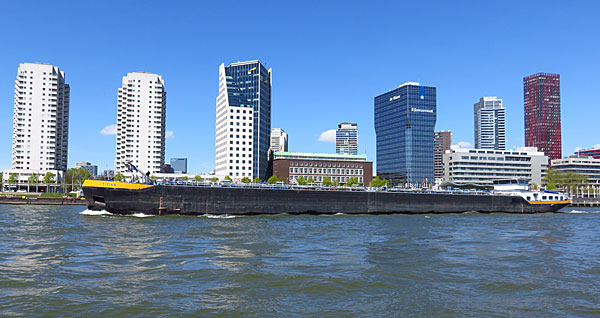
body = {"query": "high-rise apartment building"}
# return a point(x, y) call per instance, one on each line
point(442, 141)
point(141, 122)
point(41, 119)
point(279, 140)
point(346, 139)
point(542, 113)
point(404, 121)
point(490, 128)
point(243, 123)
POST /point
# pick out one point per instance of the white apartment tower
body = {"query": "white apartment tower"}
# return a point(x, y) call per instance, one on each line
point(489, 124)
point(141, 122)
point(279, 140)
point(346, 139)
point(243, 120)
point(41, 119)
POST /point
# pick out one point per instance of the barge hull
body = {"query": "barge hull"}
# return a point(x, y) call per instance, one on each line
point(163, 199)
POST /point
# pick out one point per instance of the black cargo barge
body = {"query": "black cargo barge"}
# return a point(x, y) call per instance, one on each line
point(130, 198)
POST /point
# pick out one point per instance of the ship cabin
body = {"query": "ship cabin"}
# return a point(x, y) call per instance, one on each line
point(521, 187)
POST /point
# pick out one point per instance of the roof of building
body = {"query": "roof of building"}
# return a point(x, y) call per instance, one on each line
point(318, 155)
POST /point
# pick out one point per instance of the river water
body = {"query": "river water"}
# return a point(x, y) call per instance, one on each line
point(58, 261)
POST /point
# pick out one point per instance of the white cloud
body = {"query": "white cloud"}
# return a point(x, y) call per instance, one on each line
point(327, 136)
point(462, 144)
point(170, 134)
point(596, 146)
point(109, 130)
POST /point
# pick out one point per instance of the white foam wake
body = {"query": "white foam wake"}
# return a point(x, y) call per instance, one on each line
point(101, 212)
point(141, 215)
point(218, 216)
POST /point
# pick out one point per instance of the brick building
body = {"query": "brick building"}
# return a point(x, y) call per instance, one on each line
point(289, 166)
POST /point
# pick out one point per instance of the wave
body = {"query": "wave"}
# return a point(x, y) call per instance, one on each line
point(90, 212)
point(140, 215)
point(218, 216)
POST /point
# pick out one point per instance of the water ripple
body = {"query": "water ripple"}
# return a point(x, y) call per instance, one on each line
point(91, 264)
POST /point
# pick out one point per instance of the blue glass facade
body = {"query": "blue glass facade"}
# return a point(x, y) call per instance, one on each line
point(404, 125)
point(249, 85)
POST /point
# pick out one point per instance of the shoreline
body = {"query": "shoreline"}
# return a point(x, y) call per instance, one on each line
point(23, 200)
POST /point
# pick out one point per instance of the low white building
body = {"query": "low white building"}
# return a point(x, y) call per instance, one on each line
point(21, 179)
point(584, 165)
point(481, 167)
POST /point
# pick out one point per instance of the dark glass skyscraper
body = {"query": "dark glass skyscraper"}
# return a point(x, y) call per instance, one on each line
point(404, 123)
point(542, 113)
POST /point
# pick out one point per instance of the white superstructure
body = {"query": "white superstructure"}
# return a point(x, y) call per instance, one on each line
point(279, 140)
point(41, 119)
point(141, 122)
point(490, 123)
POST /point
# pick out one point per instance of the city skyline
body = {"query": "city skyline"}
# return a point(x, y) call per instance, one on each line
point(192, 86)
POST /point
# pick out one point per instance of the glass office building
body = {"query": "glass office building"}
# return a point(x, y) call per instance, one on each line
point(243, 125)
point(404, 123)
point(179, 165)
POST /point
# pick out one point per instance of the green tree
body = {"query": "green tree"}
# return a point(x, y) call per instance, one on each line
point(48, 178)
point(214, 179)
point(13, 178)
point(377, 182)
point(246, 180)
point(119, 177)
point(34, 178)
point(184, 178)
point(560, 179)
point(310, 180)
point(198, 178)
point(76, 176)
point(227, 178)
point(153, 177)
point(352, 181)
point(301, 180)
point(327, 181)
point(257, 180)
point(273, 179)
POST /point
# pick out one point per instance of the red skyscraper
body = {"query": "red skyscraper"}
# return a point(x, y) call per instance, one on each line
point(542, 113)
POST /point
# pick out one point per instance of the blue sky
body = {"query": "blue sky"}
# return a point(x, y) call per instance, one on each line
point(329, 59)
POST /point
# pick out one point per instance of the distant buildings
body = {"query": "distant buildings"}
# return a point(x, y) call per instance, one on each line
point(179, 165)
point(442, 141)
point(489, 125)
point(290, 166)
point(594, 153)
point(279, 140)
point(346, 139)
point(542, 113)
point(87, 166)
point(108, 174)
point(40, 122)
point(404, 121)
point(584, 165)
point(480, 167)
point(141, 122)
point(243, 121)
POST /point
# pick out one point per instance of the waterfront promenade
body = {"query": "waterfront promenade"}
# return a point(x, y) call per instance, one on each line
point(38, 199)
